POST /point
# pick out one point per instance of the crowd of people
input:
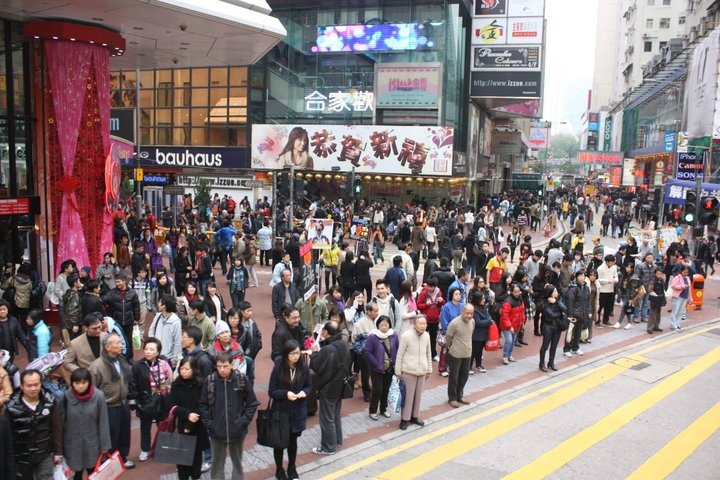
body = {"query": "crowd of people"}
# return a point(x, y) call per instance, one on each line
point(461, 277)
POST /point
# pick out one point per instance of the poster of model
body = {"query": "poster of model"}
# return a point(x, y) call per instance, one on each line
point(319, 232)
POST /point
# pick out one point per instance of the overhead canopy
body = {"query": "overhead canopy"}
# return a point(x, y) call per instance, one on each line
point(169, 33)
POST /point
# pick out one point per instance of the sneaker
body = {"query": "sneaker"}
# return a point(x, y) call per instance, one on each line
point(505, 360)
point(205, 467)
point(511, 358)
point(617, 325)
point(320, 451)
point(143, 456)
point(471, 372)
point(444, 374)
point(568, 354)
point(374, 416)
point(481, 369)
point(386, 414)
point(598, 325)
point(129, 464)
point(628, 326)
point(436, 358)
point(579, 352)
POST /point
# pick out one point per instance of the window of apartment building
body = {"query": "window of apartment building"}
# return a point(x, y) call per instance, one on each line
point(650, 3)
point(681, 20)
point(647, 47)
point(664, 22)
point(666, 2)
point(649, 23)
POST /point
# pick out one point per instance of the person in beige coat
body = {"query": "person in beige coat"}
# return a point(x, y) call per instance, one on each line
point(459, 342)
point(413, 365)
point(86, 348)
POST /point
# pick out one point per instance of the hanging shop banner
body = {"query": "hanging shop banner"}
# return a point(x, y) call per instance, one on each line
point(675, 190)
point(505, 84)
point(408, 85)
point(319, 232)
point(701, 86)
point(607, 133)
point(589, 156)
point(366, 148)
point(690, 165)
point(505, 58)
point(507, 30)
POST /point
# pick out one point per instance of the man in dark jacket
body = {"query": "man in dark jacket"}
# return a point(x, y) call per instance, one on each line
point(11, 332)
point(72, 308)
point(7, 459)
point(282, 293)
point(444, 276)
point(331, 364)
point(395, 275)
point(123, 306)
point(288, 328)
point(578, 307)
point(191, 343)
point(227, 406)
point(37, 432)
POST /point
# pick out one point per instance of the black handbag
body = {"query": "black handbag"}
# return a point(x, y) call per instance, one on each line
point(175, 448)
point(348, 386)
point(150, 407)
point(273, 427)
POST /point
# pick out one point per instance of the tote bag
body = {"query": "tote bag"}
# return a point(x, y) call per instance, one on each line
point(273, 428)
point(493, 341)
point(175, 448)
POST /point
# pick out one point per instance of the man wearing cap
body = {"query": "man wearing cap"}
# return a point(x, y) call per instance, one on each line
point(608, 278)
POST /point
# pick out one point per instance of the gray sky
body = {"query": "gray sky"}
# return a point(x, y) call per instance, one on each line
point(569, 59)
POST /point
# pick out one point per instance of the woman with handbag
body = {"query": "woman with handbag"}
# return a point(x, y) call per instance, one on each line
point(86, 431)
point(152, 376)
point(290, 384)
point(184, 396)
point(554, 322)
point(380, 352)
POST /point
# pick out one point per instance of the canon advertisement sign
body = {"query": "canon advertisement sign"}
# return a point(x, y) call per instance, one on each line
point(191, 157)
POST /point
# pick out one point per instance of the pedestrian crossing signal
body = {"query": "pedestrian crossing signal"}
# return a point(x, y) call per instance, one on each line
point(708, 211)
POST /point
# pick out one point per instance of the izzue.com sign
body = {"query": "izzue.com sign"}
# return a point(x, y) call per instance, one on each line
point(505, 84)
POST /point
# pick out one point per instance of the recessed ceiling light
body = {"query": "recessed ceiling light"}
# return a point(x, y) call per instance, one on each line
point(138, 28)
point(182, 48)
point(184, 43)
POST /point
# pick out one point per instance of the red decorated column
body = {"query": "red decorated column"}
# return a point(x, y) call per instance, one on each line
point(76, 99)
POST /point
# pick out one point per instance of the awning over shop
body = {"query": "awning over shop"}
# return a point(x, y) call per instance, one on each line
point(675, 190)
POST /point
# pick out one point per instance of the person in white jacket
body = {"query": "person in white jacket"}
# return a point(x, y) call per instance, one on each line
point(167, 327)
point(607, 276)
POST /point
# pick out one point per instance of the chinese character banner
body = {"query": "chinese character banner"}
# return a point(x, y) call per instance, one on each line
point(367, 148)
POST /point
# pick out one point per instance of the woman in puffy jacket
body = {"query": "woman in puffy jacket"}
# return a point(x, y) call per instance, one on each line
point(553, 318)
point(512, 318)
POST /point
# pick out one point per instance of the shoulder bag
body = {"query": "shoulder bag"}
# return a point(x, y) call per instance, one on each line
point(273, 427)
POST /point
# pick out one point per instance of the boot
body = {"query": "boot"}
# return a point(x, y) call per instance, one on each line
point(542, 366)
point(280, 474)
point(551, 363)
point(521, 337)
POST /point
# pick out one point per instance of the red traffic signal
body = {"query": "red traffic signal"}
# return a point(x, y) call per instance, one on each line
point(708, 211)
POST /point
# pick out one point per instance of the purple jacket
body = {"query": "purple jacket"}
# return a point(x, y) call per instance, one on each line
point(375, 352)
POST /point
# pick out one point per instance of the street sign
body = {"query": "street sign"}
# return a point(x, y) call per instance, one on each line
point(251, 183)
point(173, 190)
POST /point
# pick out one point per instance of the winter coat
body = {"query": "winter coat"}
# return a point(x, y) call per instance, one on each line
point(578, 301)
point(86, 431)
point(168, 331)
point(512, 314)
point(23, 287)
point(123, 309)
point(7, 461)
point(206, 326)
point(553, 314)
point(331, 363)
point(483, 320)
point(431, 311)
point(413, 355)
point(90, 303)
point(227, 406)
point(185, 397)
point(444, 278)
point(296, 410)
point(282, 334)
point(251, 338)
point(374, 351)
point(37, 433)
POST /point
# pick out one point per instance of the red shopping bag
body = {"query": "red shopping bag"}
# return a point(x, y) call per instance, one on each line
point(493, 341)
point(110, 469)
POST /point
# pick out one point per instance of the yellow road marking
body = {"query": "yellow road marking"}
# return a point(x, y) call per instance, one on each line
point(559, 456)
point(624, 362)
point(677, 450)
point(511, 421)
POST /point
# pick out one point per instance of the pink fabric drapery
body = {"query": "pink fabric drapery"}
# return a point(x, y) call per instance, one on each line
point(68, 65)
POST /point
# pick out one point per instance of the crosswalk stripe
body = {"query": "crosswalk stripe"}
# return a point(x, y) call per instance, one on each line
point(511, 421)
point(627, 362)
point(677, 450)
point(571, 448)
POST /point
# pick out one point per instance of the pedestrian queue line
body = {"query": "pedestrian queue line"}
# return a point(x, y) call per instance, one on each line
point(553, 396)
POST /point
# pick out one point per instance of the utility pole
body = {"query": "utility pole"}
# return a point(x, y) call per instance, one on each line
point(138, 178)
point(291, 181)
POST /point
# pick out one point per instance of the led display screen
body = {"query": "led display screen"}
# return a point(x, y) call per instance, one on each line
point(374, 38)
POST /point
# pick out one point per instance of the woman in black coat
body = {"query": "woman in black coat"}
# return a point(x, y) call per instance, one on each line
point(184, 396)
point(483, 320)
point(347, 276)
point(363, 281)
point(552, 325)
point(290, 384)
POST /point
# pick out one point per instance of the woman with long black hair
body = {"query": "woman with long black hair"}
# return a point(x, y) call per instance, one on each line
point(290, 384)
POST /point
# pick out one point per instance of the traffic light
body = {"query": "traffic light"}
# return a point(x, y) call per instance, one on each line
point(283, 184)
point(299, 189)
point(708, 211)
point(688, 215)
point(357, 186)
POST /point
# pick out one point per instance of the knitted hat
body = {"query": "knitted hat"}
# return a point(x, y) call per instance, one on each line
point(221, 327)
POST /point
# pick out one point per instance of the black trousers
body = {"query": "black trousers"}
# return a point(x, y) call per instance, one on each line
point(607, 302)
point(432, 329)
point(551, 338)
point(459, 370)
point(380, 390)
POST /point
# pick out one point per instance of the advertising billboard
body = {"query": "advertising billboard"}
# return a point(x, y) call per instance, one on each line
point(505, 58)
point(490, 7)
point(375, 37)
point(507, 30)
point(701, 86)
point(366, 148)
point(588, 156)
point(404, 85)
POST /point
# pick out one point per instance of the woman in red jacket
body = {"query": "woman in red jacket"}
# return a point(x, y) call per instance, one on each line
point(512, 317)
point(429, 302)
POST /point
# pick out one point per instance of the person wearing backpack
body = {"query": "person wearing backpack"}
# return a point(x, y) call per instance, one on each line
point(227, 406)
